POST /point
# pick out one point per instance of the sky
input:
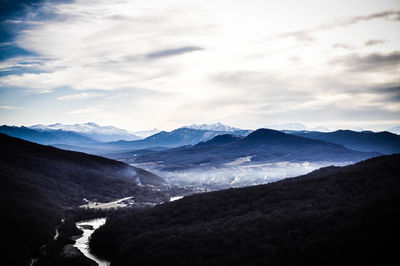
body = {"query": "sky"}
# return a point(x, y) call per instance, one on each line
point(166, 63)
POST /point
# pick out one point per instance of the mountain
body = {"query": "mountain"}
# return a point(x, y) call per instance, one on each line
point(395, 130)
point(92, 130)
point(213, 127)
point(332, 216)
point(297, 127)
point(221, 140)
point(288, 126)
point(56, 135)
point(176, 138)
point(46, 136)
point(224, 129)
point(368, 141)
point(263, 145)
point(38, 183)
point(146, 133)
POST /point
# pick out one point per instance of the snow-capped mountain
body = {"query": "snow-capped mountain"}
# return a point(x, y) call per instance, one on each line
point(395, 130)
point(214, 127)
point(297, 127)
point(288, 126)
point(92, 130)
point(146, 133)
point(320, 129)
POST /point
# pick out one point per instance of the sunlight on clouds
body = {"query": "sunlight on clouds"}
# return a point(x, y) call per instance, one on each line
point(84, 111)
point(267, 59)
point(80, 96)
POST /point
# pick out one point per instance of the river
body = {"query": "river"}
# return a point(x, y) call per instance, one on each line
point(89, 226)
point(82, 243)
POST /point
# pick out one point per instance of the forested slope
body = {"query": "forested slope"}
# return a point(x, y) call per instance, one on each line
point(332, 216)
point(38, 182)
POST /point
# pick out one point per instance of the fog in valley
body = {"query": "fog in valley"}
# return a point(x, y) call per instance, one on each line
point(239, 173)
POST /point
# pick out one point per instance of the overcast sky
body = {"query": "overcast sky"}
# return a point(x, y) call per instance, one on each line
point(250, 63)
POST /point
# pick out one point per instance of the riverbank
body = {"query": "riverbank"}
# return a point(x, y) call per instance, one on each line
point(82, 243)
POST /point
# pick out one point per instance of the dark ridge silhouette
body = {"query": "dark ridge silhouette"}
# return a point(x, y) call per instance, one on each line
point(332, 216)
point(37, 183)
point(263, 145)
point(368, 141)
point(222, 140)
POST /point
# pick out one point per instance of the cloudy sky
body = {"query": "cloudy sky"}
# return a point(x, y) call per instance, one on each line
point(165, 63)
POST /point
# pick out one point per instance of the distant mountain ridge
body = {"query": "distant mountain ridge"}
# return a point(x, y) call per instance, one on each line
point(76, 141)
point(213, 127)
point(368, 141)
point(93, 131)
point(263, 145)
point(46, 136)
point(175, 138)
point(297, 127)
point(146, 133)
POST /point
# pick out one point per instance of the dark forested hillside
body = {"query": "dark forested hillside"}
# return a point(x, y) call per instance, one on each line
point(38, 182)
point(332, 216)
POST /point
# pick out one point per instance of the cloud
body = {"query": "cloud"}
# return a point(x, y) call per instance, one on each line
point(9, 107)
point(390, 94)
point(86, 110)
point(375, 42)
point(305, 35)
point(142, 61)
point(80, 96)
point(343, 46)
point(389, 15)
point(371, 62)
point(173, 52)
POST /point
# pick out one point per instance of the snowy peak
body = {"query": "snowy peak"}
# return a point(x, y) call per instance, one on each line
point(297, 127)
point(213, 127)
point(395, 130)
point(89, 127)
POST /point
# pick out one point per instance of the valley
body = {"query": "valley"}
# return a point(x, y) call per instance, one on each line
point(199, 133)
point(86, 191)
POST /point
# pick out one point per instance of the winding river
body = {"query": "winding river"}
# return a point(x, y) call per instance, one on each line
point(82, 243)
point(89, 226)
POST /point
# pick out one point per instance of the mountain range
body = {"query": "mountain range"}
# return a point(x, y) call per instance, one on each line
point(175, 138)
point(368, 141)
point(262, 145)
point(213, 127)
point(50, 137)
point(84, 139)
point(91, 130)
point(296, 127)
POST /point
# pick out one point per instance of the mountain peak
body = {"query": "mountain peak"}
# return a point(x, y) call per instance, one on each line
point(265, 133)
point(223, 139)
point(214, 127)
point(297, 127)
